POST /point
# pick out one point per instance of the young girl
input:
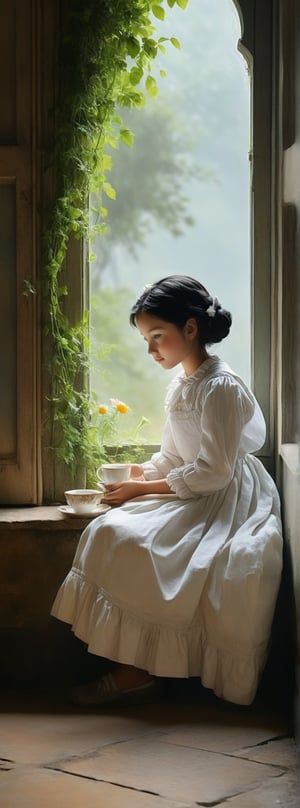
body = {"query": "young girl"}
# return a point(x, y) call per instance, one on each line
point(181, 579)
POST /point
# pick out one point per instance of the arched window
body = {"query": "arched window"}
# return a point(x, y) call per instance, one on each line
point(183, 203)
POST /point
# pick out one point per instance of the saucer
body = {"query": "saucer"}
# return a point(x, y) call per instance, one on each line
point(68, 511)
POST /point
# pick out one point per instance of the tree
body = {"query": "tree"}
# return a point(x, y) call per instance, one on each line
point(151, 181)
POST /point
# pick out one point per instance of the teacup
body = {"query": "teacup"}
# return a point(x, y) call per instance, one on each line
point(114, 473)
point(83, 500)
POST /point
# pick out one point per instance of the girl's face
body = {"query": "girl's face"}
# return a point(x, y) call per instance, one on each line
point(170, 345)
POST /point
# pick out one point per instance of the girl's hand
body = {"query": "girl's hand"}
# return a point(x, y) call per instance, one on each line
point(136, 472)
point(116, 493)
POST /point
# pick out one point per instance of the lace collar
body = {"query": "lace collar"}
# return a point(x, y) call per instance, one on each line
point(181, 384)
point(209, 364)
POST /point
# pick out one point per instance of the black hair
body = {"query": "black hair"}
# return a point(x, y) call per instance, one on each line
point(176, 298)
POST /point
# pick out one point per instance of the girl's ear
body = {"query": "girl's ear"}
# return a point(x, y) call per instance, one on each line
point(191, 327)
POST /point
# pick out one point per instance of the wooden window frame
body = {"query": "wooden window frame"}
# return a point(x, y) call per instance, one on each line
point(34, 475)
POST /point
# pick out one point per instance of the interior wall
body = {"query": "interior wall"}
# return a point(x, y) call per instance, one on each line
point(35, 648)
point(290, 307)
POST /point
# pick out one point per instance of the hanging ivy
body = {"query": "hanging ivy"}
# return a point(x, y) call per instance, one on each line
point(106, 54)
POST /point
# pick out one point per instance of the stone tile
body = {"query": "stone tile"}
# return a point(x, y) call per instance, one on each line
point(281, 752)
point(220, 737)
point(283, 792)
point(173, 772)
point(37, 731)
point(43, 738)
point(28, 787)
point(220, 729)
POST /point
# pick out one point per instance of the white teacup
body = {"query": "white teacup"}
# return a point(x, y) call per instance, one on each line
point(114, 472)
point(83, 500)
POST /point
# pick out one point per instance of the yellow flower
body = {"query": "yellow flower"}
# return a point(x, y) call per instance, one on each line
point(119, 405)
point(102, 409)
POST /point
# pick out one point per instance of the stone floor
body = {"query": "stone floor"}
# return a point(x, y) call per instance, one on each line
point(176, 753)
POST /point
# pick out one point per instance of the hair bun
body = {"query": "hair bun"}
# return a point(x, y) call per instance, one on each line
point(215, 305)
point(218, 322)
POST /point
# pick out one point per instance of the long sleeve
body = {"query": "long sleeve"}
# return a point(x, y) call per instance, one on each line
point(223, 411)
point(163, 462)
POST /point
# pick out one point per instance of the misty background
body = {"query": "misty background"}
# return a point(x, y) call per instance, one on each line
point(182, 206)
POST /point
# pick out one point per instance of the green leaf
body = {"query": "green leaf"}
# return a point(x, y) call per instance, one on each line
point(62, 290)
point(138, 99)
point(107, 162)
point(150, 47)
point(151, 86)
point(158, 12)
point(175, 42)
point(182, 3)
point(75, 213)
point(109, 190)
point(135, 75)
point(127, 136)
point(163, 74)
point(133, 46)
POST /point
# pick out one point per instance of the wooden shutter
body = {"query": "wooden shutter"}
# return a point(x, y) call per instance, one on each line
point(19, 460)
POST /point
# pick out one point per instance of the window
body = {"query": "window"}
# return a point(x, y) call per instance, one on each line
point(27, 99)
point(182, 206)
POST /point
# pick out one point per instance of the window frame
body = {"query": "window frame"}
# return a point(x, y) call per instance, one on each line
point(257, 45)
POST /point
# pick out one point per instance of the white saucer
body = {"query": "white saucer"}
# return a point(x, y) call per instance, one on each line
point(68, 511)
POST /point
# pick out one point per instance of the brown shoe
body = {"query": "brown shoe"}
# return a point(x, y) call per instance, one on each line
point(104, 691)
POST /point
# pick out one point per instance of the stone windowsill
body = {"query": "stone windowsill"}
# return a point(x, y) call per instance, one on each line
point(42, 517)
point(48, 517)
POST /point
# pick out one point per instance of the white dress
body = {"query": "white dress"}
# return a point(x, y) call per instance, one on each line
point(186, 584)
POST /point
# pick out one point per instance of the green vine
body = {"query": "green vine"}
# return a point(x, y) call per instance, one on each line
point(106, 52)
